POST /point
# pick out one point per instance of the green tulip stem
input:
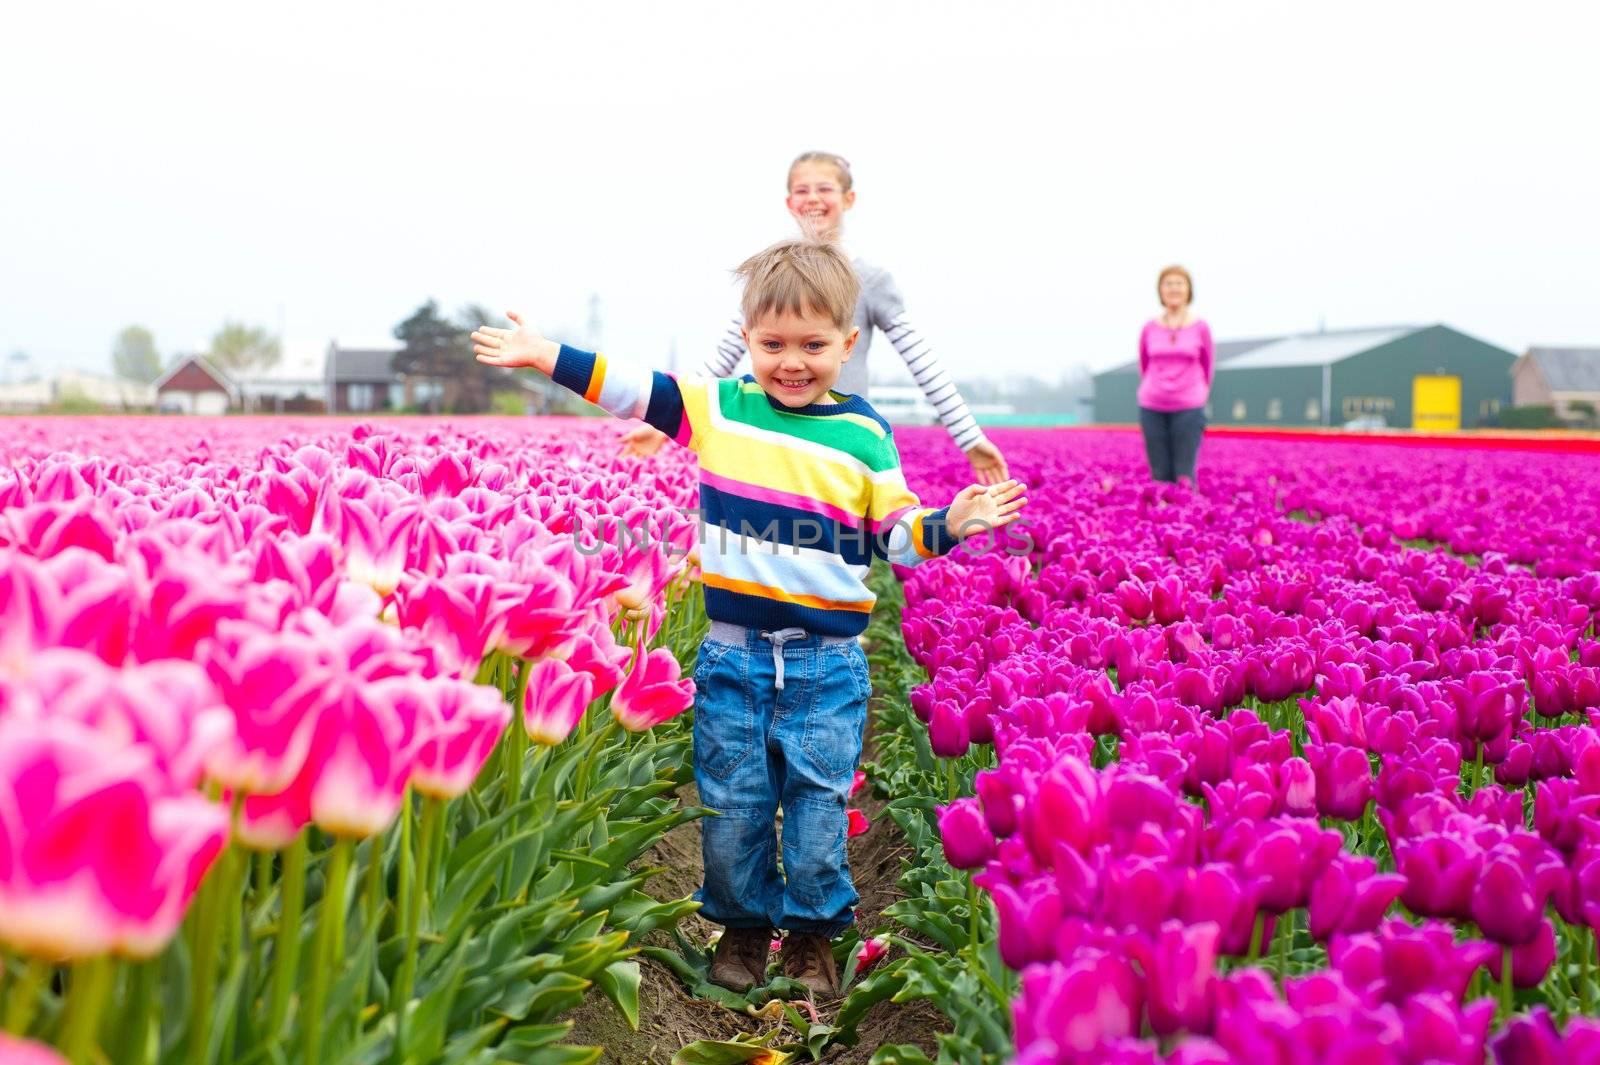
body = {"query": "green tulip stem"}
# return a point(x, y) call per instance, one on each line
point(1256, 935)
point(328, 948)
point(286, 956)
point(516, 747)
point(1580, 938)
point(407, 905)
point(1281, 935)
point(376, 896)
point(88, 987)
point(1505, 984)
point(972, 918)
point(263, 877)
point(24, 995)
point(1477, 771)
point(142, 1024)
point(427, 836)
point(951, 791)
point(218, 919)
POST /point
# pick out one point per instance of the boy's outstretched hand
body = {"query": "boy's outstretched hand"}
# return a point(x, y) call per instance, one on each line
point(978, 509)
point(522, 346)
point(643, 441)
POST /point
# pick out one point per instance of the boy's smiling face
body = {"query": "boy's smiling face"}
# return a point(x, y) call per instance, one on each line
point(796, 358)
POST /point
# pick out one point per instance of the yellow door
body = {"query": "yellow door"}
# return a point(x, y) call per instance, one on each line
point(1436, 403)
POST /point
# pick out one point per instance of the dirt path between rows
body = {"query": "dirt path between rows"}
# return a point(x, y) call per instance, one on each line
point(670, 1017)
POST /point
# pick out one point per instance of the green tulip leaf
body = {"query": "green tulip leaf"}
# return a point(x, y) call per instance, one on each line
point(620, 983)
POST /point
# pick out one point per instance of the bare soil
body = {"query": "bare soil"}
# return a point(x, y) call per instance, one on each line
point(670, 1017)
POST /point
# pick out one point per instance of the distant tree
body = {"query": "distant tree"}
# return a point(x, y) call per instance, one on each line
point(134, 355)
point(238, 348)
point(437, 351)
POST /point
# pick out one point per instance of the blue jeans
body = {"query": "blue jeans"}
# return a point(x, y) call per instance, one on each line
point(757, 748)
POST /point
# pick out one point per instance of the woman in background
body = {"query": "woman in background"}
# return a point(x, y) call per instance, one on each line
point(1175, 364)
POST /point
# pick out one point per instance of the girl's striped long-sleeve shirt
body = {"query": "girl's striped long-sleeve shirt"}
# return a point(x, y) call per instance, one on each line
point(795, 502)
point(880, 307)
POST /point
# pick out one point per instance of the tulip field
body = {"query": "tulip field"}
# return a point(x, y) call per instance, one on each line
point(337, 742)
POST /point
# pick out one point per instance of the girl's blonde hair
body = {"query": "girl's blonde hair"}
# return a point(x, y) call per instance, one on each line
point(1175, 271)
point(838, 162)
point(798, 275)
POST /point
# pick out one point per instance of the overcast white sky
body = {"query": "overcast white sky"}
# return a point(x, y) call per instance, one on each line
point(1024, 169)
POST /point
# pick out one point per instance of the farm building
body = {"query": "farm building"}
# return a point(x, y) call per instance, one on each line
point(361, 379)
point(1423, 377)
point(1564, 379)
point(192, 385)
point(295, 384)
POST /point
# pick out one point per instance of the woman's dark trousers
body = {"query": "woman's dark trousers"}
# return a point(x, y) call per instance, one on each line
point(1172, 441)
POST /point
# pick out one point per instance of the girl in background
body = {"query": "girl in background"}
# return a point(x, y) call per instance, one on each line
point(821, 190)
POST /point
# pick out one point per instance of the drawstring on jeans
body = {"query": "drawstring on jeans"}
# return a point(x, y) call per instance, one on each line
point(778, 639)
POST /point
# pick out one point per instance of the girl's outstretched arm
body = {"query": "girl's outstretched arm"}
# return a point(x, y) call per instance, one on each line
point(988, 464)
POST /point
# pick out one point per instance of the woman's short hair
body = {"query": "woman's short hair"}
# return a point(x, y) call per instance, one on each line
point(1175, 271)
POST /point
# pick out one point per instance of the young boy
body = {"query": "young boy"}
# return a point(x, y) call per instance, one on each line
point(800, 487)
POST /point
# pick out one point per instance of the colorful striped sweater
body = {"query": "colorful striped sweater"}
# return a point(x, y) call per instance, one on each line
point(794, 502)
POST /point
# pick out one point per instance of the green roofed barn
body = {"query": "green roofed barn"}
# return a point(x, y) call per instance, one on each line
point(1425, 377)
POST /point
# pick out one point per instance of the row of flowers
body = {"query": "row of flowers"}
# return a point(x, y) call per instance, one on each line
point(1269, 781)
point(256, 651)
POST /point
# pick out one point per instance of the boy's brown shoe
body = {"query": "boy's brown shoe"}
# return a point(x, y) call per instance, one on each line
point(808, 959)
point(740, 961)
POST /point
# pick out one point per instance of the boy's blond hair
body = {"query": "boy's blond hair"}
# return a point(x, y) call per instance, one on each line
point(800, 275)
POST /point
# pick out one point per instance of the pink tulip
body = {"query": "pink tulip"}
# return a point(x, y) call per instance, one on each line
point(594, 651)
point(858, 825)
point(277, 685)
point(46, 529)
point(557, 697)
point(169, 708)
point(870, 952)
point(857, 782)
point(465, 722)
point(373, 529)
point(181, 598)
point(542, 616)
point(361, 756)
point(461, 615)
point(651, 693)
point(97, 851)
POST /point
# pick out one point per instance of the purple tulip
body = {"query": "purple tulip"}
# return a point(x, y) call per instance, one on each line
point(1440, 872)
point(1506, 903)
point(1343, 780)
point(1077, 1007)
point(1350, 896)
point(1179, 972)
point(1531, 1039)
point(967, 842)
point(947, 730)
point(1217, 893)
point(1531, 961)
point(1002, 797)
point(1298, 784)
point(1488, 703)
point(1028, 916)
point(1287, 860)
